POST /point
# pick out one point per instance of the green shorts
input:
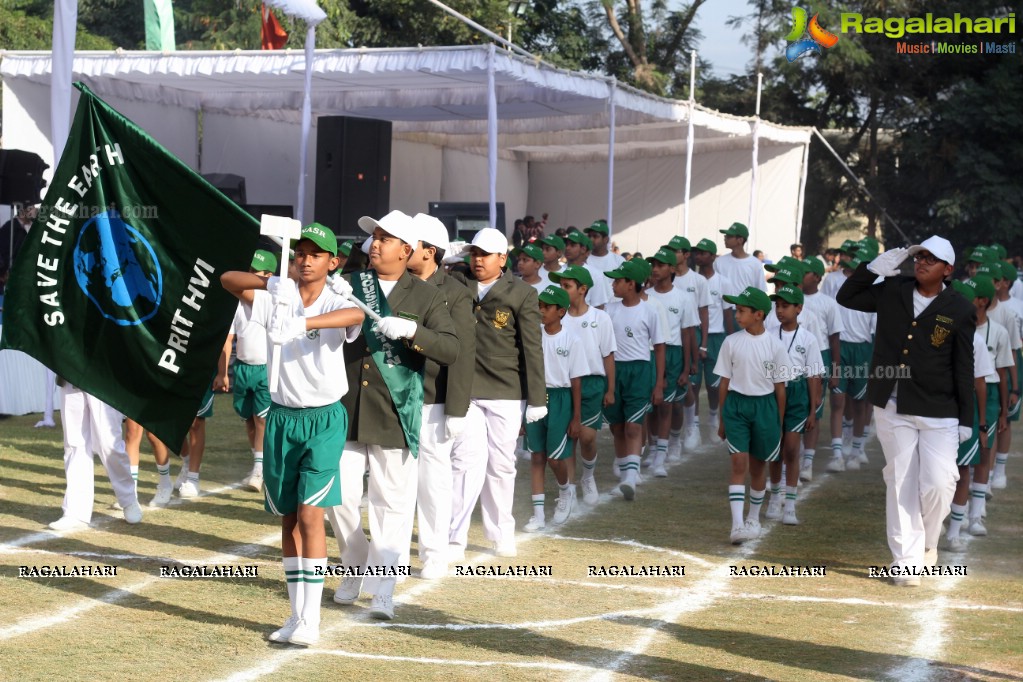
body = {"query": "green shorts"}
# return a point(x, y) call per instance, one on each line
point(302, 457)
point(206, 406)
point(550, 434)
point(797, 406)
point(994, 409)
point(826, 358)
point(855, 368)
point(673, 365)
point(969, 450)
point(594, 388)
point(751, 425)
point(251, 393)
point(634, 385)
point(706, 369)
point(1014, 412)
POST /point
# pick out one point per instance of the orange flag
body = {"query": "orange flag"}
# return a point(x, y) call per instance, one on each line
point(273, 36)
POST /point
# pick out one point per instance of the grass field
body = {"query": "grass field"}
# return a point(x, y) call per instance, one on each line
point(705, 625)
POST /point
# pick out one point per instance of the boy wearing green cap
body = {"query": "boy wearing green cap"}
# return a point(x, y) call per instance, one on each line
point(593, 328)
point(529, 263)
point(741, 269)
point(601, 257)
point(1007, 301)
point(638, 385)
point(694, 285)
point(720, 323)
point(577, 252)
point(309, 323)
point(551, 440)
point(553, 248)
point(802, 393)
point(752, 407)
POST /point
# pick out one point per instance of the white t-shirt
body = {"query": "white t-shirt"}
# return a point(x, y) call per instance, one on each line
point(804, 354)
point(1016, 290)
point(807, 319)
point(751, 363)
point(996, 340)
point(680, 309)
point(742, 272)
point(1006, 316)
point(832, 282)
point(596, 337)
point(636, 328)
point(312, 367)
point(694, 284)
point(717, 286)
point(600, 293)
point(605, 263)
point(983, 365)
point(563, 358)
point(1016, 305)
point(827, 310)
point(857, 326)
point(250, 338)
point(541, 285)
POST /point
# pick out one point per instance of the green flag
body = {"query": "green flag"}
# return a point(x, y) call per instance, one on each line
point(117, 286)
point(159, 16)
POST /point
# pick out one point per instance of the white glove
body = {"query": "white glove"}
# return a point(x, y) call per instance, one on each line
point(396, 328)
point(285, 329)
point(535, 414)
point(964, 433)
point(454, 426)
point(340, 286)
point(284, 291)
point(889, 263)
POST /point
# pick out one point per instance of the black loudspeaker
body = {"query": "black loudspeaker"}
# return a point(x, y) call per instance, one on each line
point(232, 186)
point(353, 171)
point(21, 177)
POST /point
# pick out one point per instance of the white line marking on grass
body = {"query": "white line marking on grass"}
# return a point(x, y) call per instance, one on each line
point(101, 524)
point(546, 665)
point(529, 625)
point(143, 557)
point(636, 545)
point(631, 587)
point(930, 641)
point(36, 623)
point(856, 601)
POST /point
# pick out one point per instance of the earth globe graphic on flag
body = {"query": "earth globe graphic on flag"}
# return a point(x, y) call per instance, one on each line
point(118, 270)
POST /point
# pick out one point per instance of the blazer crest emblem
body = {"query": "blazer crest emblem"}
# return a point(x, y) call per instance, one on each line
point(939, 335)
point(501, 318)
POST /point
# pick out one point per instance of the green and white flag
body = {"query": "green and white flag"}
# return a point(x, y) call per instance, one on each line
point(117, 286)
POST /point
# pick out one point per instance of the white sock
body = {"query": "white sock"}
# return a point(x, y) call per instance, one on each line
point(791, 491)
point(312, 589)
point(836, 447)
point(134, 472)
point(257, 462)
point(164, 472)
point(538, 506)
point(978, 500)
point(674, 435)
point(689, 415)
point(857, 444)
point(293, 577)
point(1001, 458)
point(756, 499)
point(736, 499)
point(588, 466)
point(629, 465)
point(808, 455)
point(955, 522)
point(193, 476)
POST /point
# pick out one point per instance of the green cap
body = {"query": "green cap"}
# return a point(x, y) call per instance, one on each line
point(789, 294)
point(751, 297)
point(679, 243)
point(644, 267)
point(785, 262)
point(998, 250)
point(849, 247)
point(263, 261)
point(663, 255)
point(635, 269)
point(555, 296)
point(787, 276)
point(982, 287)
point(576, 272)
point(1009, 271)
point(963, 289)
point(814, 265)
point(554, 241)
point(980, 254)
point(991, 270)
point(322, 236)
point(598, 226)
point(869, 244)
point(530, 250)
point(737, 230)
point(706, 245)
point(345, 247)
point(852, 263)
point(580, 238)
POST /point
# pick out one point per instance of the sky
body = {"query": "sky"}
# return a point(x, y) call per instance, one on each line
point(721, 45)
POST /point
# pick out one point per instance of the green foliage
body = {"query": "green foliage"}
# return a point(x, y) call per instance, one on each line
point(29, 26)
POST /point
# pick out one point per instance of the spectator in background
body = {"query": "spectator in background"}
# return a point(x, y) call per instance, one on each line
point(518, 233)
point(759, 255)
point(797, 251)
point(12, 236)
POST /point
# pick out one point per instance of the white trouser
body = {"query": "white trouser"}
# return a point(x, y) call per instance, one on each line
point(92, 426)
point(433, 504)
point(920, 475)
point(483, 468)
point(392, 504)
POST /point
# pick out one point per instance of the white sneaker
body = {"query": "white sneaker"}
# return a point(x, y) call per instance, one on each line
point(752, 529)
point(133, 513)
point(713, 422)
point(658, 467)
point(189, 489)
point(456, 554)
point(837, 464)
point(589, 485)
point(283, 633)
point(774, 507)
point(305, 633)
point(534, 524)
point(433, 570)
point(955, 543)
point(651, 455)
point(691, 439)
point(861, 456)
point(565, 505)
point(852, 463)
point(674, 451)
point(789, 518)
point(505, 549)
point(931, 557)
point(976, 528)
point(162, 497)
point(349, 590)
point(382, 607)
point(906, 581)
point(628, 486)
point(253, 482)
point(806, 471)
point(998, 481)
point(738, 535)
point(68, 523)
point(182, 477)
point(846, 434)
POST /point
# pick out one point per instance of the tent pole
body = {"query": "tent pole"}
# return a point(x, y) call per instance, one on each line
point(751, 222)
point(307, 105)
point(492, 132)
point(689, 144)
point(802, 191)
point(613, 86)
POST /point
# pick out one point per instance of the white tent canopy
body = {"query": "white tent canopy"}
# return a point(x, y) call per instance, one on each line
point(552, 142)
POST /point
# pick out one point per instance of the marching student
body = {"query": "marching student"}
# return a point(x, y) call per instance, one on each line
point(529, 262)
point(802, 393)
point(385, 404)
point(251, 393)
point(639, 384)
point(577, 252)
point(752, 407)
point(308, 323)
point(741, 269)
point(694, 285)
point(682, 319)
point(601, 258)
point(553, 248)
point(551, 440)
point(593, 328)
point(445, 400)
point(833, 282)
point(1006, 299)
point(509, 376)
point(132, 443)
point(720, 323)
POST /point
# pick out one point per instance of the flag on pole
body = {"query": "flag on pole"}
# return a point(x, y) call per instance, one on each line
point(117, 286)
point(273, 35)
point(159, 16)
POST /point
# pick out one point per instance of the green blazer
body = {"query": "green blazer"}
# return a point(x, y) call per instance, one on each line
point(509, 358)
point(452, 385)
point(372, 417)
